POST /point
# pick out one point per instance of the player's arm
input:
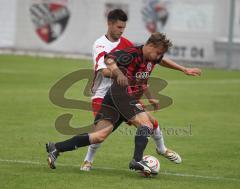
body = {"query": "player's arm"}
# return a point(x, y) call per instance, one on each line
point(167, 62)
point(106, 72)
point(100, 66)
point(99, 51)
point(115, 72)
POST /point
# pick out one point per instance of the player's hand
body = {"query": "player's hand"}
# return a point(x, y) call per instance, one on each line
point(192, 71)
point(122, 80)
point(154, 103)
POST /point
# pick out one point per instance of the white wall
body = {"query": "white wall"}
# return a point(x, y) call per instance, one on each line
point(192, 25)
point(7, 23)
point(237, 20)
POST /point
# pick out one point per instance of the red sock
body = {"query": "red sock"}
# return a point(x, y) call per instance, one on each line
point(155, 124)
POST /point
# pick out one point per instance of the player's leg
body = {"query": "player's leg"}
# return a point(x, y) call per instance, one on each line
point(92, 149)
point(157, 135)
point(161, 149)
point(131, 110)
point(144, 131)
point(101, 131)
point(88, 160)
point(107, 112)
point(87, 165)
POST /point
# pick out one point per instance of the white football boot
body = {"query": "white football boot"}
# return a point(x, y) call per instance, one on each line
point(171, 155)
point(86, 166)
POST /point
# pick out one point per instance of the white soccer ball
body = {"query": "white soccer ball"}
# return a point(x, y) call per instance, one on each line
point(152, 162)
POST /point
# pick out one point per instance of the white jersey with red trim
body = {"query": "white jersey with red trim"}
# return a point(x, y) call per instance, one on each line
point(101, 47)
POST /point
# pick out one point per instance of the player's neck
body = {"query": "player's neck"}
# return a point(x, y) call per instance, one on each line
point(144, 51)
point(110, 38)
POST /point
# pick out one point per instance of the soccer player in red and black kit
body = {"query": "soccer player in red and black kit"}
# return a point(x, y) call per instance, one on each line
point(130, 69)
point(110, 42)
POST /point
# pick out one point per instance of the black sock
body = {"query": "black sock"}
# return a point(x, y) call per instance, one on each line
point(73, 143)
point(141, 140)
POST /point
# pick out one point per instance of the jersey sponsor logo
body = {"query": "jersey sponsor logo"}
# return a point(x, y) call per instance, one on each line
point(100, 46)
point(50, 18)
point(142, 75)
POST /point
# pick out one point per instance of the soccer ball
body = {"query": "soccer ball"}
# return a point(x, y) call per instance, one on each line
point(152, 162)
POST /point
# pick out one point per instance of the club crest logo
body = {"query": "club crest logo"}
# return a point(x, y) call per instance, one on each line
point(50, 18)
point(155, 14)
point(149, 66)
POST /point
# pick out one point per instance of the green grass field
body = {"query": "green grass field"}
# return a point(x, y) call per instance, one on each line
point(210, 152)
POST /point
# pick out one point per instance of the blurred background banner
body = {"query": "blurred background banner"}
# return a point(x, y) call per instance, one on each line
point(198, 29)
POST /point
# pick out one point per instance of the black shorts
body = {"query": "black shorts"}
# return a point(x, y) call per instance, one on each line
point(118, 106)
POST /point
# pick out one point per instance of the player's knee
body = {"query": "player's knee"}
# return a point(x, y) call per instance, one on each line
point(100, 138)
point(144, 130)
point(147, 123)
point(102, 135)
point(142, 119)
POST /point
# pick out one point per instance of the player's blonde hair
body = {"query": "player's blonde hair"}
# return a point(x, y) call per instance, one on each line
point(158, 40)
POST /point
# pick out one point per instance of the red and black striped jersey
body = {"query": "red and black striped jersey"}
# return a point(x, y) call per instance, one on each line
point(132, 63)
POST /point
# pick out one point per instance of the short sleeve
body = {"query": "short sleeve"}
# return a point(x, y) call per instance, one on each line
point(98, 56)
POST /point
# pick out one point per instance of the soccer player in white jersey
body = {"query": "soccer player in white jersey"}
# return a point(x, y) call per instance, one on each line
point(112, 41)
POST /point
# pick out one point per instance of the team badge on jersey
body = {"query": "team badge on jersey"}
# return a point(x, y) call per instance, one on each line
point(149, 66)
point(50, 18)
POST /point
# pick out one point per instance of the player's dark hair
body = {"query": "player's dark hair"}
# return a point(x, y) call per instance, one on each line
point(117, 14)
point(159, 39)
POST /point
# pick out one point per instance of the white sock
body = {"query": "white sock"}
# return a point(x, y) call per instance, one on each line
point(159, 141)
point(92, 149)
